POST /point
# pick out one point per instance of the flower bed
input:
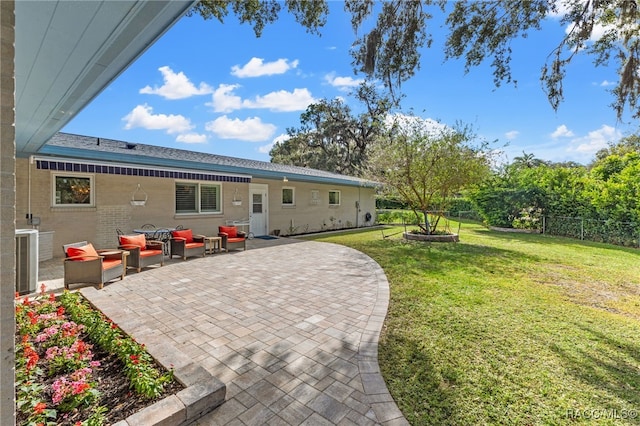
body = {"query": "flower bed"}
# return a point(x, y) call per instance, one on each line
point(76, 367)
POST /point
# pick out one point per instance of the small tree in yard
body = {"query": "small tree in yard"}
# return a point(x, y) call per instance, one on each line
point(425, 164)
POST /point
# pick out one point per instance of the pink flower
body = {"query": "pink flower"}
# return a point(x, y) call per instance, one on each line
point(52, 352)
point(59, 390)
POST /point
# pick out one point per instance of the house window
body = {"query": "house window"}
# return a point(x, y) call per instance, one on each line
point(73, 190)
point(288, 196)
point(334, 198)
point(315, 196)
point(197, 198)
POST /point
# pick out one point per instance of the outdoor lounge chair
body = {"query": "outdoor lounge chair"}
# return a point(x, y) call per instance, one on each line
point(84, 264)
point(231, 236)
point(185, 244)
point(142, 252)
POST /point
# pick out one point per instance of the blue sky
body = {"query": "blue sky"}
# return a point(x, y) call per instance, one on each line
point(216, 88)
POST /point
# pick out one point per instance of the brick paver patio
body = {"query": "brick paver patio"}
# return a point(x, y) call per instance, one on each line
point(291, 329)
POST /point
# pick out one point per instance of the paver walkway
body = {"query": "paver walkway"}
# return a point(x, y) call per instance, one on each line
point(292, 330)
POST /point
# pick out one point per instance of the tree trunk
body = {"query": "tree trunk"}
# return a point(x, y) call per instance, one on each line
point(427, 226)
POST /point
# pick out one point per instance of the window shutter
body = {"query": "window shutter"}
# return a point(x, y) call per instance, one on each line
point(186, 198)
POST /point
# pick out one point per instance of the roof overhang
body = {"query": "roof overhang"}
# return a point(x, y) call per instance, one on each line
point(131, 159)
point(67, 52)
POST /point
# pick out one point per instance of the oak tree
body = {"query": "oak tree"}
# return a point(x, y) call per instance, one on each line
point(389, 49)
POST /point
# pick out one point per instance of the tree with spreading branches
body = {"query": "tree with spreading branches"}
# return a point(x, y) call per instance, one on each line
point(331, 137)
point(425, 164)
point(389, 49)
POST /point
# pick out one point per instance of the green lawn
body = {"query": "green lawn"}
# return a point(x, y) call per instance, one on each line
point(508, 328)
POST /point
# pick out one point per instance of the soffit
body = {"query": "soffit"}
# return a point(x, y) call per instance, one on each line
point(67, 52)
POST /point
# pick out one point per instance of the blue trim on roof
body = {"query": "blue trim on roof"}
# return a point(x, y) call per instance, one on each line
point(70, 166)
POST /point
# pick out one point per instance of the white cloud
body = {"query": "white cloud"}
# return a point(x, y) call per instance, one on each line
point(223, 99)
point(562, 131)
point(282, 100)
point(342, 83)
point(251, 129)
point(512, 134)
point(192, 138)
point(596, 140)
point(428, 125)
point(563, 9)
point(607, 83)
point(142, 116)
point(256, 67)
point(264, 149)
point(176, 86)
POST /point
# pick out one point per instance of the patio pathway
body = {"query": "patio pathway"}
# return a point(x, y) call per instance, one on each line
point(291, 329)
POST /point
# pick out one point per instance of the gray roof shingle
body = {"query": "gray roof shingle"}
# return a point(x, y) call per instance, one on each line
point(89, 147)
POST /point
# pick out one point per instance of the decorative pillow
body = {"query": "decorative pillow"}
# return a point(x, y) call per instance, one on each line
point(87, 252)
point(183, 233)
point(231, 231)
point(133, 240)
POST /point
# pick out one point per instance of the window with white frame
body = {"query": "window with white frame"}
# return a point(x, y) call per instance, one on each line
point(73, 189)
point(288, 196)
point(334, 198)
point(195, 197)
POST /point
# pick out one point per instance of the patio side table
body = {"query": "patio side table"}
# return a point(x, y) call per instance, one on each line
point(213, 243)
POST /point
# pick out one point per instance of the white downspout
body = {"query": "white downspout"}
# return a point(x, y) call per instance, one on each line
point(29, 190)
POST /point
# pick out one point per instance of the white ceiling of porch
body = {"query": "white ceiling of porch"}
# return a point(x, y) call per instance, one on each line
point(67, 52)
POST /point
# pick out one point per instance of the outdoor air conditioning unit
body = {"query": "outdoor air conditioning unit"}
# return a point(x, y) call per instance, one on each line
point(26, 260)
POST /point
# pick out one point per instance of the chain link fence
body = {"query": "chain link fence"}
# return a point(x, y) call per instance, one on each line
point(605, 231)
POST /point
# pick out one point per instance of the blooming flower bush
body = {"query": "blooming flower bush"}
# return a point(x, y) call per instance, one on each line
point(55, 362)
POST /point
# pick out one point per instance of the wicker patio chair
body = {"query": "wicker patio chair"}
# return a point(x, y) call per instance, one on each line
point(232, 236)
point(185, 244)
point(142, 252)
point(83, 264)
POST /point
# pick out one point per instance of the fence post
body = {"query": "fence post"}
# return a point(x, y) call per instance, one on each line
point(544, 223)
point(582, 228)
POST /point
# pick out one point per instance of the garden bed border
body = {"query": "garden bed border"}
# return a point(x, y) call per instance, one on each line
point(433, 238)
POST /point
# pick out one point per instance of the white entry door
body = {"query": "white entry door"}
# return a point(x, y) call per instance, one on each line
point(258, 209)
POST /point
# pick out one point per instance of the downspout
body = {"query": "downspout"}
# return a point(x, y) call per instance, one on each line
point(29, 190)
point(358, 209)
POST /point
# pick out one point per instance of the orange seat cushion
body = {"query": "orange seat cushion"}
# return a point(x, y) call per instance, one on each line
point(231, 231)
point(133, 240)
point(183, 233)
point(193, 245)
point(235, 240)
point(110, 263)
point(85, 252)
point(147, 253)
